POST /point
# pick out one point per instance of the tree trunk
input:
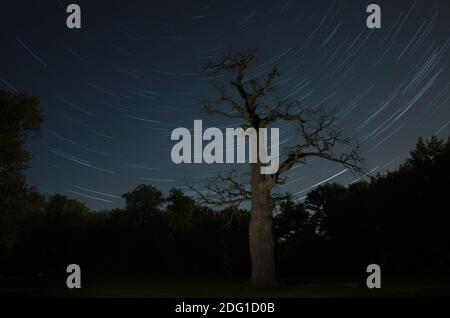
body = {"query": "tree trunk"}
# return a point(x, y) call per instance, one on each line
point(260, 232)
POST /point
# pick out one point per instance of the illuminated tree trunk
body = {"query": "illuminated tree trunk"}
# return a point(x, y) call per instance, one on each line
point(261, 239)
point(317, 138)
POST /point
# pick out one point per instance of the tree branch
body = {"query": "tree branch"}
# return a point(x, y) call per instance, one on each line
point(221, 190)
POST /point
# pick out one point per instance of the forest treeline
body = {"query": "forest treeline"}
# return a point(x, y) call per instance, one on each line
point(398, 220)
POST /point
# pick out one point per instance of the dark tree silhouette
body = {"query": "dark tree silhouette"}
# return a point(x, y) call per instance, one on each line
point(143, 203)
point(20, 116)
point(252, 100)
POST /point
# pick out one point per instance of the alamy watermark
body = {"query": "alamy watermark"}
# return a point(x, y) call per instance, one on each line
point(190, 149)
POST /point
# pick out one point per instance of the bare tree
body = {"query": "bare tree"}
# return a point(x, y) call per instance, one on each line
point(246, 98)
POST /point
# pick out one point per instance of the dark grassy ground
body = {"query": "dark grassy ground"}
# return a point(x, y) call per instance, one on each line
point(182, 288)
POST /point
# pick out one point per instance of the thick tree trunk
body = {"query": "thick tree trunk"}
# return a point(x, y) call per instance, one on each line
point(260, 232)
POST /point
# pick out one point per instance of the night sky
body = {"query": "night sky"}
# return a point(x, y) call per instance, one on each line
point(113, 91)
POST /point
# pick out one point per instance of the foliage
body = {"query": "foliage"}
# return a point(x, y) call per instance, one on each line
point(398, 220)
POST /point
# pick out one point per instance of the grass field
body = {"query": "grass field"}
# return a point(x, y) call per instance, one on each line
point(229, 289)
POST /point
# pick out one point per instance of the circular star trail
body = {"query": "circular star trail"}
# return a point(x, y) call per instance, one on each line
point(113, 91)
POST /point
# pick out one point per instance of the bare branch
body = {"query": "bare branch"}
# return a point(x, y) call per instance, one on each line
point(259, 90)
point(212, 106)
point(248, 90)
point(320, 139)
point(316, 131)
point(221, 190)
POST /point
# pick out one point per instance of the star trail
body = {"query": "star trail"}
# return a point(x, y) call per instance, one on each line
point(113, 91)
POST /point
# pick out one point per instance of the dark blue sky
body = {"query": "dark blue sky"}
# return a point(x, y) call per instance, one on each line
point(113, 91)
